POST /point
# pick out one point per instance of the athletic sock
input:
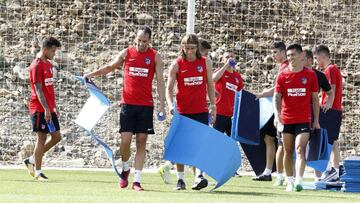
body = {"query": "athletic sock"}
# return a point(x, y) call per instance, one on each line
point(280, 176)
point(125, 165)
point(298, 180)
point(267, 172)
point(137, 176)
point(37, 172)
point(180, 175)
point(31, 159)
point(290, 179)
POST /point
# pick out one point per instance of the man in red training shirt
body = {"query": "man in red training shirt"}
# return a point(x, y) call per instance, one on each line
point(332, 73)
point(296, 87)
point(193, 74)
point(227, 82)
point(140, 63)
point(43, 110)
point(269, 132)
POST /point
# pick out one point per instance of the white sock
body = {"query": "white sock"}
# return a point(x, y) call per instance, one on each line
point(180, 175)
point(290, 179)
point(125, 165)
point(280, 176)
point(267, 171)
point(31, 159)
point(137, 176)
point(198, 173)
point(298, 180)
point(37, 172)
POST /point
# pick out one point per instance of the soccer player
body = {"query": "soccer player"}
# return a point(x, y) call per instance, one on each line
point(227, 82)
point(164, 170)
point(43, 110)
point(295, 88)
point(140, 63)
point(323, 85)
point(193, 76)
point(278, 50)
point(205, 47)
point(332, 73)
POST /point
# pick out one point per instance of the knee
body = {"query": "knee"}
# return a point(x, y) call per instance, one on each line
point(140, 144)
point(300, 151)
point(288, 151)
point(268, 139)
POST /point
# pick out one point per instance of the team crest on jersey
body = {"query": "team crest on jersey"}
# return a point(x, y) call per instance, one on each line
point(200, 69)
point(303, 80)
point(43, 126)
point(236, 80)
point(147, 61)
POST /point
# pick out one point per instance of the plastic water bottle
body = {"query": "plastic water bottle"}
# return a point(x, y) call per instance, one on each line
point(210, 119)
point(160, 116)
point(232, 63)
point(51, 126)
point(280, 127)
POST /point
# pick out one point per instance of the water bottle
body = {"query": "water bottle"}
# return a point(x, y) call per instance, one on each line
point(51, 126)
point(232, 63)
point(210, 119)
point(160, 116)
point(280, 127)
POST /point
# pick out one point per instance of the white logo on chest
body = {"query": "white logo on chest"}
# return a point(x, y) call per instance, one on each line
point(140, 72)
point(191, 81)
point(296, 92)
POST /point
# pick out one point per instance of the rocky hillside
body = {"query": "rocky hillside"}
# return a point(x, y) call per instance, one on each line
point(93, 32)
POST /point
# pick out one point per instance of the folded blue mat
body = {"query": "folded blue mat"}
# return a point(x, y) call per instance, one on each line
point(192, 143)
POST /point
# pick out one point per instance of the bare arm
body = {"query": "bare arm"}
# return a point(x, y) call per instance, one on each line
point(170, 86)
point(266, 93)
point(277, 108)
point(42, 100)
point(159, 69)
point(115, 64)
point(329, 99)
point(218, 74)
point(211, 90)
point(316, 109)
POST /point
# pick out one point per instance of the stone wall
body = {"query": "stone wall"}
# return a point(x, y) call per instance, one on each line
point(92, 33)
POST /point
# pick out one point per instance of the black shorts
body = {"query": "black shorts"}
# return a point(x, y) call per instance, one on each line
point(296, 128)
point(136, 119)
point(39, 123)
point(199, 117)
point(269, 128)
point(223, 124)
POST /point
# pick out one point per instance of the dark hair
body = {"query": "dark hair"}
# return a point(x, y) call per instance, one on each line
point(297, 47)
point(279, 45)
point(204, 44)
point(190, 39)
point(322, 49)
point(48, 42)
point(145, 29)
point(309, 54)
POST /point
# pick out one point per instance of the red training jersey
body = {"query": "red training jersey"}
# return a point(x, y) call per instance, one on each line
point(334, 77)
point(296, 89)
point(41, 72)
point(139, 69)
point(192, 82)
point(226, 87)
